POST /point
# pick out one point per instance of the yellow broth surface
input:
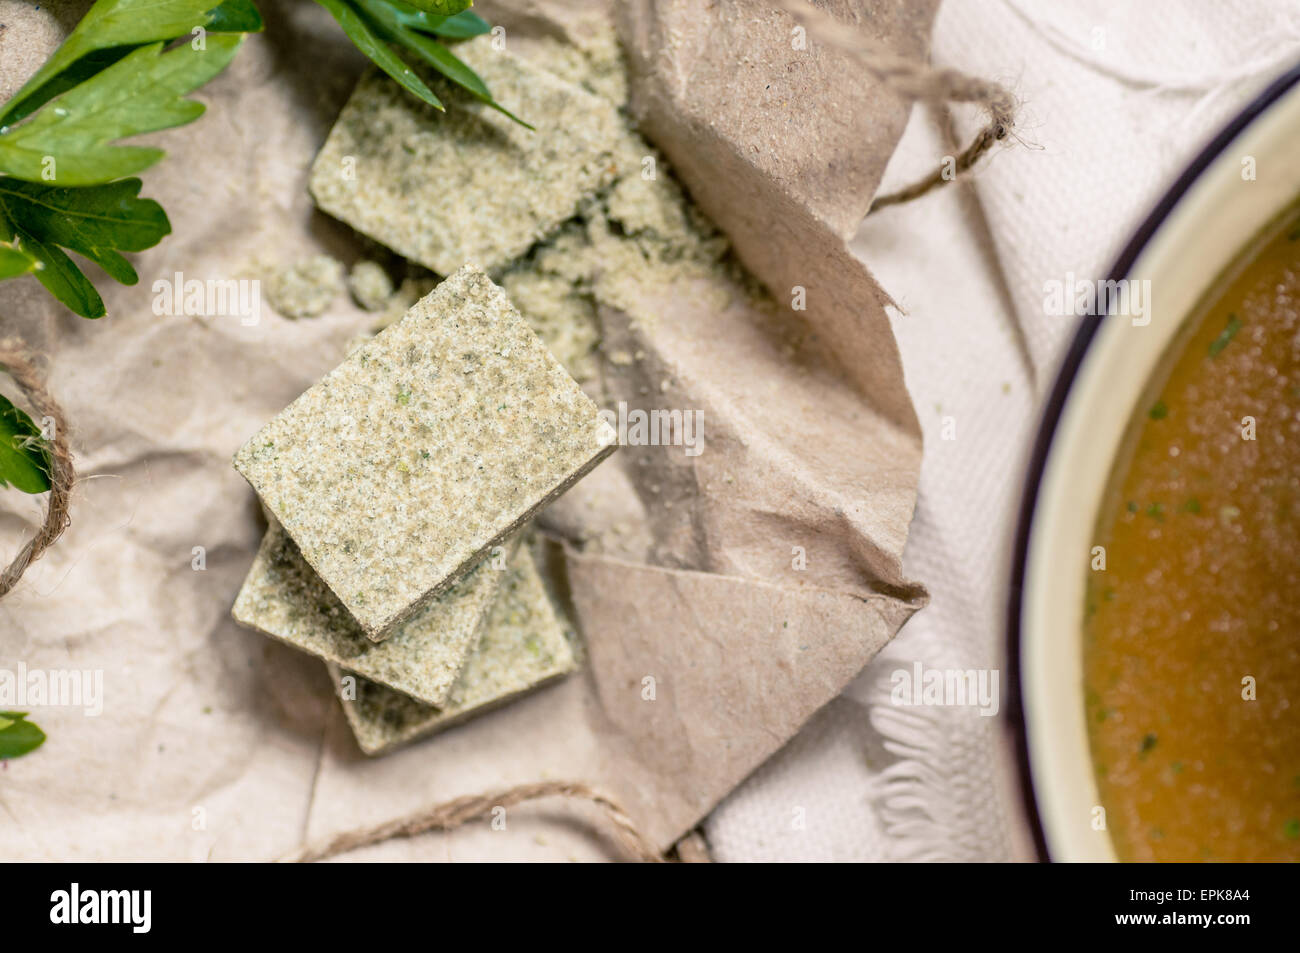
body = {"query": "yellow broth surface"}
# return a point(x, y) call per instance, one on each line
point(1192, 644)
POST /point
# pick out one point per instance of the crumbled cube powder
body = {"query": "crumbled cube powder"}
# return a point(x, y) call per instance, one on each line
point(401, 467)
point(408, 292)
point(468, 184)
point(562, 317)
point(370, 285)
point(283, 598)
point(305, 288)
point(591, 58)
point(523, 646)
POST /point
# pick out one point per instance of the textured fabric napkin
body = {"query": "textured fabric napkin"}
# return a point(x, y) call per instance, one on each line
point(1115, 99)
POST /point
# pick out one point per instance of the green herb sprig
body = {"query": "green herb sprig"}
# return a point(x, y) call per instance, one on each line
point(18, 736)
point(1225, 336)
point(397, 34)
point(125, 70)
point(24, 455)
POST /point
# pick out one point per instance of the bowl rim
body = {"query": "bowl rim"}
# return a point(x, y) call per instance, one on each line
point(1050, 417)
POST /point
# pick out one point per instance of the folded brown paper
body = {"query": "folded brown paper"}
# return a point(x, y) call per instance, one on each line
point(715, 625)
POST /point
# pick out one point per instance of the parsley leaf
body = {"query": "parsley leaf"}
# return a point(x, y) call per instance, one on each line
point(71, 140)
point(62, 173)
point(1225, 336)
point(17, 735)
point(363, 35)
point(98, 223)
point(15, 261)
point(384, 14)
point(111, 29)
point(442, 8)
point(24, 459)
point(377, 27)
point(460, 27)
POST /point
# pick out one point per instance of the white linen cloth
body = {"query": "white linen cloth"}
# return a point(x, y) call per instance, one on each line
point(1115, 98)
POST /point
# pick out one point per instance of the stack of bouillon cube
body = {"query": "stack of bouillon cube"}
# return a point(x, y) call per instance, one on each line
point(396, 488)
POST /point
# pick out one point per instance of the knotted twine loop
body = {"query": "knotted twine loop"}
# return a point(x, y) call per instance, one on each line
point(915, 80)
point(19, 363)
point(631, 843)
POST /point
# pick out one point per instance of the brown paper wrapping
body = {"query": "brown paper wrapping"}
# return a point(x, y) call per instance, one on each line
point(707, 649)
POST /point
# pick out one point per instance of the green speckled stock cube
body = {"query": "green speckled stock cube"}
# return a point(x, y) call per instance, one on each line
point(523, 646)
point(427, 446)
point(468, 184)
point(285, 599)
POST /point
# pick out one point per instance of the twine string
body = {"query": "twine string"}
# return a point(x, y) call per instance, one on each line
point(915, 80)
point(20, 364)
point(630, 842)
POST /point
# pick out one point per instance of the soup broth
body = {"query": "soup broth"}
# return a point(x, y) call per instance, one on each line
point(1192, 640)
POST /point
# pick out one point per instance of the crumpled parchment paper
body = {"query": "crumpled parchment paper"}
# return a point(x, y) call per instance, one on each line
point(217, 743)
